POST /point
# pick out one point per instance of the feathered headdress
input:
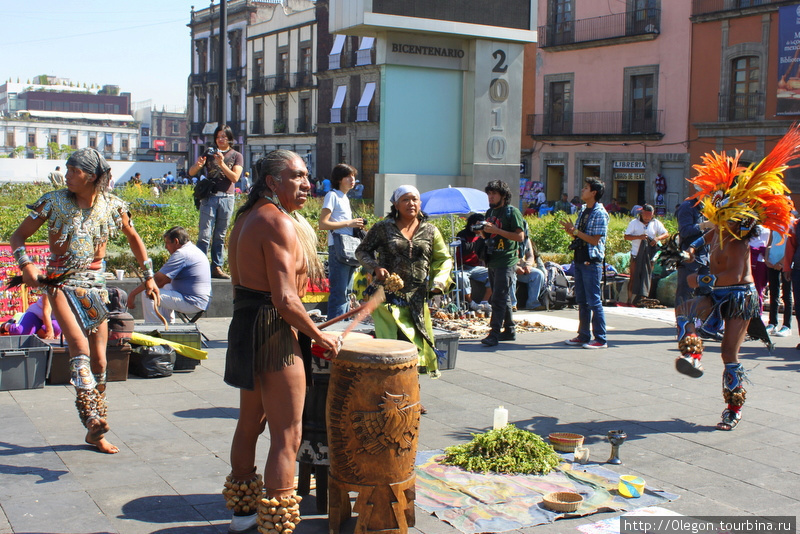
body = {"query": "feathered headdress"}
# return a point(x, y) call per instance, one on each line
point(748, 195)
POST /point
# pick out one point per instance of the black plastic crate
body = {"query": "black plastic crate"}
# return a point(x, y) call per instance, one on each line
point(24, 362)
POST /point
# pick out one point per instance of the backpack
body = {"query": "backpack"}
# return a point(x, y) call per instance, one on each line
point(558, 291)
point(202, 189)
point(120, 322)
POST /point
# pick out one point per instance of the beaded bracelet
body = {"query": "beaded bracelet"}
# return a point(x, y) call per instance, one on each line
point(19, 252)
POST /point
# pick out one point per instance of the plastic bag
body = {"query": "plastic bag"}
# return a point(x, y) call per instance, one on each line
point(152, 362)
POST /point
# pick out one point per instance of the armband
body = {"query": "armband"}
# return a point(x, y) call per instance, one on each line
point(19, 252)
point(23, 260)
point(699, 242)
point(707, 280)
point(148, 269)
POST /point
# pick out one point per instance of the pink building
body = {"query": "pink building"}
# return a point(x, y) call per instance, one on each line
point(612, 99)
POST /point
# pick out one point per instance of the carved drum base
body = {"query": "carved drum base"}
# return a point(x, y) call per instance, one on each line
point(388, 509)
point(372, 416)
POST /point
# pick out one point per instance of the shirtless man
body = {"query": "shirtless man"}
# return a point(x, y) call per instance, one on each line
point(732, 299)
point(77, 252)
point(272, 254)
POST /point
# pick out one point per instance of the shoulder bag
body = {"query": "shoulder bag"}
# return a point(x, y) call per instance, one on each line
point(344, 248)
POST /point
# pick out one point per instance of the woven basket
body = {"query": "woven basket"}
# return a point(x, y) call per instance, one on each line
point(565, 441)
point(562, 501)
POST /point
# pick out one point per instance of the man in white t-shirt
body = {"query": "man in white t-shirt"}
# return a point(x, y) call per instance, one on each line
point(644, 232)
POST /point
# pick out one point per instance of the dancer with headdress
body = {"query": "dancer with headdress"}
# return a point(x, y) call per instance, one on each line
point(81, 219)
point(736, 200)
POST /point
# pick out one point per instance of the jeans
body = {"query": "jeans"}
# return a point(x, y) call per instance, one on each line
point(215, 214)
point(469, 275)
point(535, 282)
point(170, 300)
point(590, 304)
point(502, 279)
point(779, 285)
point(340, 277)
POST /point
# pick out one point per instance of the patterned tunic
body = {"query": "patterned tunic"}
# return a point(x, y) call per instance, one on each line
point(83, 230)
point(424, 263)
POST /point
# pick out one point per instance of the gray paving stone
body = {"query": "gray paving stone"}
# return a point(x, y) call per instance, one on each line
point(174, 433)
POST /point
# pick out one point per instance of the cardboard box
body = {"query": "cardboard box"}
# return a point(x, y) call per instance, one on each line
point(117, 358)
point(23, 362)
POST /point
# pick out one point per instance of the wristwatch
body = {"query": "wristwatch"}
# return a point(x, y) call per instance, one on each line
point(575, 232)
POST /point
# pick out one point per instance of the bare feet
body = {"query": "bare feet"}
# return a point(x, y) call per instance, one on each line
point(103, 445)
point(95, 436)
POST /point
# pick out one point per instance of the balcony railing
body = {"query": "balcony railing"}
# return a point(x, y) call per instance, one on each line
point(705, 7)
point(256, 128)
point(366, 113)
point(742, 107)
point(597, 123)
point(302, 125)
point(236, 73)
point(630, 23)
point(279, 126)
point(269, 84)
point(302, 80)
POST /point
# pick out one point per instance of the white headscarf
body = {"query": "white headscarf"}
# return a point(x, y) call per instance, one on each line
point(402, 190)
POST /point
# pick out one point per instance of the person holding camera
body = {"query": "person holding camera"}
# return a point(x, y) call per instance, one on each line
point(223, 166)
point(505, 228)
point(589, 246)
point(337, 218)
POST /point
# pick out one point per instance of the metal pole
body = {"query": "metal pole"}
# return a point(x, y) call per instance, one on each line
point(223, 63)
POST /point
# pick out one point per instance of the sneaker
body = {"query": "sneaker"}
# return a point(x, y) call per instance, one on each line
point(689, 366)
point(783, 331)
point(771, 328)
point(595, 345)
point(575, 341)
point(490, 340)
point(507, 335)
point(242, 523)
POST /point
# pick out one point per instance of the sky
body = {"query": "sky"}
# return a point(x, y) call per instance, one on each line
point(143, 47)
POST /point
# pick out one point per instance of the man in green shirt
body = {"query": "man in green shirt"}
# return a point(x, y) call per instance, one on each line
point(504, 233)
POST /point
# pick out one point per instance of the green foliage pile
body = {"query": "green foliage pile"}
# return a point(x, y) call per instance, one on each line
point(507, 450)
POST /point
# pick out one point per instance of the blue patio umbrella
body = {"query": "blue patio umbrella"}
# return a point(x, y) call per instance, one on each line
point(454, 201)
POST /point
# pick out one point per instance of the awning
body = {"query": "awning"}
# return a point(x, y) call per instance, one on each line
point(77, 116)
point(362, 113)
point(338, 44)
point(366, 43)
point(335, 57)
point(364, 52)
point(338, 102)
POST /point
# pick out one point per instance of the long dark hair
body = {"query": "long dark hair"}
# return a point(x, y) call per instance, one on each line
point(270, 165)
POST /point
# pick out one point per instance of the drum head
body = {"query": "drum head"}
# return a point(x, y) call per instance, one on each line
point(376, 351)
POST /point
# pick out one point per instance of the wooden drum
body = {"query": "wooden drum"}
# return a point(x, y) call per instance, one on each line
point(373, 414)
